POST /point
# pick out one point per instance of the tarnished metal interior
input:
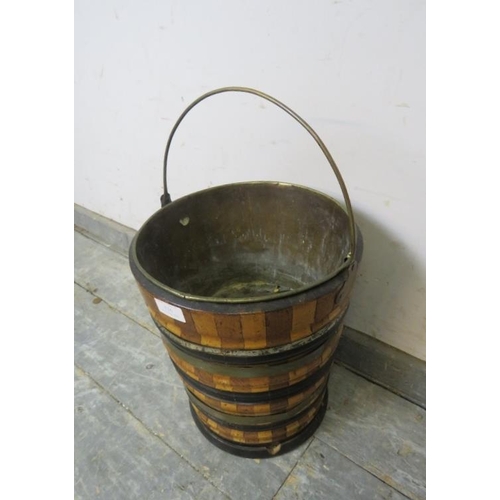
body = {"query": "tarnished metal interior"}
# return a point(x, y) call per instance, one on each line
point(245, 240)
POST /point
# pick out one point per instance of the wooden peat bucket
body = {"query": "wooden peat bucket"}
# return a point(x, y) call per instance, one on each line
point(249, 284)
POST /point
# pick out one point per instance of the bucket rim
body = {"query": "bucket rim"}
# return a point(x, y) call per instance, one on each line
point(348, 260)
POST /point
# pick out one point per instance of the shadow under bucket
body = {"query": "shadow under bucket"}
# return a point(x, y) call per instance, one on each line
point(248, 284)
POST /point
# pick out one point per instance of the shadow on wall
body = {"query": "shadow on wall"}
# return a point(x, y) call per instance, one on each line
point(388, 301)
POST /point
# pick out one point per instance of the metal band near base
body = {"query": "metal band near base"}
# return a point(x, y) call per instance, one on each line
point(251, 422)
point(259, 451)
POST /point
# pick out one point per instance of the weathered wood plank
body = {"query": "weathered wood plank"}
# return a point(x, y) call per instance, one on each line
point(130, 363)
point(108, 275)
point(118, 458)
point(325, 474)
point(109, 232)
point(398, 371)
point(377, 430)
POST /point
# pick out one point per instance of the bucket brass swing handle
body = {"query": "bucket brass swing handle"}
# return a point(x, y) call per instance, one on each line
point(165, 198)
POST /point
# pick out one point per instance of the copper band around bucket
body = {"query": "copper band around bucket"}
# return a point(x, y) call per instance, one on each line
point(255, 379)
point(268, 407)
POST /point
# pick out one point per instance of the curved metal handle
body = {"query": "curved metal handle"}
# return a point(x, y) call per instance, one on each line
point(165, 199)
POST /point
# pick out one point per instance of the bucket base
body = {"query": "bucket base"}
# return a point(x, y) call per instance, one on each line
point(259, 451)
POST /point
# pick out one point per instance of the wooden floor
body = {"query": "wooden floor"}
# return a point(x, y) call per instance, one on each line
point(135, 438)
